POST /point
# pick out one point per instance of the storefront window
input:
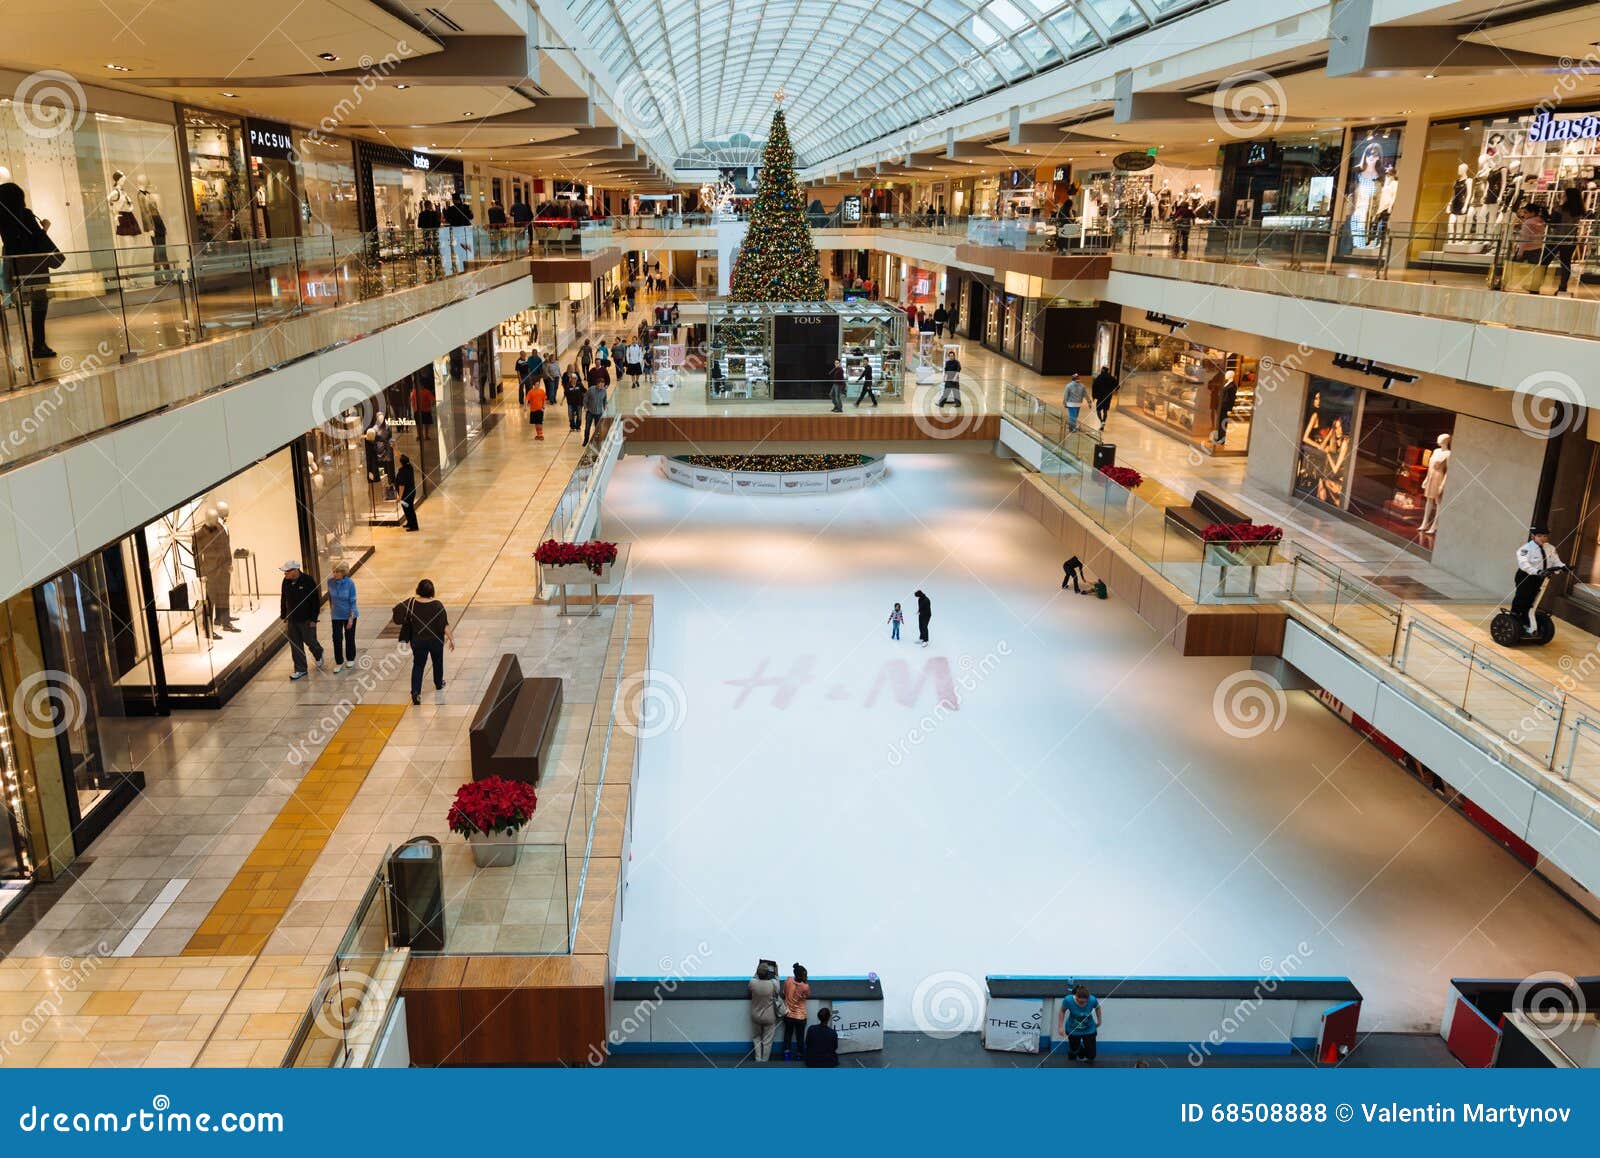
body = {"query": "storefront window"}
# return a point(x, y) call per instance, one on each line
point(217, 183)
point(398, 193)
point(1477, 172)
point(341, 498)
point(96, 648)
point(1367, 452)
point(214, 571)
point(83, 181)
point(1203, 395)
point(1285, 182)
point(327, 186)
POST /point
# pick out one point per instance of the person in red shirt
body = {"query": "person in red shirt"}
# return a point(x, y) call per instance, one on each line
point(536, 401)
point(422, 410)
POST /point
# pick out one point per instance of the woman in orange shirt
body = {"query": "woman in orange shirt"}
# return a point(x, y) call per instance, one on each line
point(796, 992)
point(536, 401)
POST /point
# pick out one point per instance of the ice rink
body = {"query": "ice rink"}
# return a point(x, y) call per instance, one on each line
point(1076, 807)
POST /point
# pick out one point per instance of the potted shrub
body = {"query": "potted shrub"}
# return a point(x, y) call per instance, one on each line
point(1241, 544)
point(1125, 479)
point(489, 812)
point(587, 563)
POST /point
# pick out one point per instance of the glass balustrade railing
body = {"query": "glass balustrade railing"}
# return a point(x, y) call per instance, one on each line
point(105, 306)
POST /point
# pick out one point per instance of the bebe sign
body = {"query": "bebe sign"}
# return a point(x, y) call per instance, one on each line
point(1576, 128)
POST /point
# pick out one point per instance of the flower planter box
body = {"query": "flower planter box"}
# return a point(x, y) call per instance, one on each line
point(1240, 554)
point(575, 574)
point(497, 851)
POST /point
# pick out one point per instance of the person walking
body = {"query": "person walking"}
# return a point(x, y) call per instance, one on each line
point(602, 356)
point(924, 613)
point(896, 618)
point(29, 256)
point(1561, 236)
point(1104, 388)
point(594, 402)
point(836, 386)
point(405, 482)
point(764, 999)
point(299, 604)
point(796, 992)
point(572, 394)
point(866, 385)
point(552, 376)
point(951, 395)
point(427, 629)
point(342, 614)
point(586, 357)
point(822, 1043)
point(1072, 571)
point(536, 401)
point(1072, 399)
point(940, 318)
point(1080, 1024)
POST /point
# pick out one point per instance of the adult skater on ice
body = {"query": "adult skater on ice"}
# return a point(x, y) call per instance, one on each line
point(1072, 572)
point(924, 613)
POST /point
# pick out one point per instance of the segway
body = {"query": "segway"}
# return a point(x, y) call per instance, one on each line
point(1509, 629)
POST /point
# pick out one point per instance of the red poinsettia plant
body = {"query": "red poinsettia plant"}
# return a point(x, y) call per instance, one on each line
point(492, 805)
point(1248, 533)
point(1124, 476)
point(594, 554)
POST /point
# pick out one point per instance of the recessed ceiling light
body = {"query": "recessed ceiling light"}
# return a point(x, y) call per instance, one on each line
point(1211, 140)
point(466, 114)
point(119, 68)
point(232, 96)
point(402, 86)
point(328, 56)
point(1428, 76)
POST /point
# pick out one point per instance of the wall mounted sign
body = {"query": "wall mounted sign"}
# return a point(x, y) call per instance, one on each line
point(421, 161)
point(1132, 162)
point(850, 208)
point(1173, 324)
point(1576, 128)
point(269, 139)
point(1372, 369)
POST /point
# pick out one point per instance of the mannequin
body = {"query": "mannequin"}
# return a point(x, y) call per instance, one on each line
point(213, 563)
point(1164, 199)
point(149, 202)
point(1227, 395)
point(1460, 202)
point(1388, 193)
point(1433, 485)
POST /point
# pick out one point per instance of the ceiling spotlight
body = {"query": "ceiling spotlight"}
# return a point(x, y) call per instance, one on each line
point(119, 68)
point(328, 56)
point(1428, 76)
point(232, 96)
point(466, 114)
point(402, 87)
point(1211, 140)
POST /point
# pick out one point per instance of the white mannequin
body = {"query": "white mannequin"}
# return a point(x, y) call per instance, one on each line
point(1460, 204)
point(1433, 485)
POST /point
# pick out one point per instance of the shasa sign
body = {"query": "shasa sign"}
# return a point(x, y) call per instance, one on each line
point(1132, 162)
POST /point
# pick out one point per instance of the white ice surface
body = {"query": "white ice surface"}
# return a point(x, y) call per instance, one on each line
point(1082, 811)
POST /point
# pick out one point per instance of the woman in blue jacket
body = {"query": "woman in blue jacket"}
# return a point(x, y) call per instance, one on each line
point(342, 604)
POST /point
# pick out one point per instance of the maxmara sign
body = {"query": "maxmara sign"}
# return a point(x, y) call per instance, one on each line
point(1545, 127)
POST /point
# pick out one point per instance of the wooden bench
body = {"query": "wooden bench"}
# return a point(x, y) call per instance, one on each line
point(1203, 510)
point(515, 724)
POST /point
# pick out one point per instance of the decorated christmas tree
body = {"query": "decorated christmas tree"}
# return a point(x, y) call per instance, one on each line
point(777, 261)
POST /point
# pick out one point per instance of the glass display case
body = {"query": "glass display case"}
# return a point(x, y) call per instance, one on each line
point(1203, 395)
point(785, 351)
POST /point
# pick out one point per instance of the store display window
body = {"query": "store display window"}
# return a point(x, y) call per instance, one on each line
point(111, 183)
point(327, 183)
point(398, 193)
point(1375, 455)
point(1283, 182)
point(214, 574)
point(218, 187)
point(340, 497)
point(1477, 172)
point(1371, 190)
point(1200, 394)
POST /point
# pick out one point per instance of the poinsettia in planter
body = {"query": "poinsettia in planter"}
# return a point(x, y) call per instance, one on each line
point(1241, 544)
point(576, 562)
point(1124, 476)
point(489, 813)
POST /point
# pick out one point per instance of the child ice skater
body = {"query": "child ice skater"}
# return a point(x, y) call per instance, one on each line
point(896, 618)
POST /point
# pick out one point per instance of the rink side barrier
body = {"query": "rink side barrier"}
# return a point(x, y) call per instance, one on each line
point(712, 1014)
point(1475, 1011)
point(1196, 1016)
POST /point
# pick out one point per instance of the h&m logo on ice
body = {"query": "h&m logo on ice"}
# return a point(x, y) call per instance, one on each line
point(894, 676)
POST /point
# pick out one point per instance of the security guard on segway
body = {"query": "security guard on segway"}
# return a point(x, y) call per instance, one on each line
point(1524, 623)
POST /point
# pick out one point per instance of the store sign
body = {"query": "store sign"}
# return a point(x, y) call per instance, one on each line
point(1173, 324)
point(1013, 1024)
point(1545, 127)
point(850, 209)
point(1062, 173)
point(859, 1024)
point(1132, 162)
point(269, 139)
point(421, 161)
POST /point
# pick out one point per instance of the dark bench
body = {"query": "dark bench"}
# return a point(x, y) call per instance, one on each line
point(1203, 510)
point(515, 724)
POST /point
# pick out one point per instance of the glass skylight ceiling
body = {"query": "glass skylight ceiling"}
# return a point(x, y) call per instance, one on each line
point(852, 71)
